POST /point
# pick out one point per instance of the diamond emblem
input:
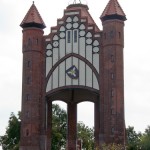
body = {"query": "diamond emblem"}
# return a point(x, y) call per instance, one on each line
point(73, 72)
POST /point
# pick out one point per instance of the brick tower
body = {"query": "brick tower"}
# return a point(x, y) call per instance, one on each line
point(32, 80)
point(113, 125)
point(75, 62)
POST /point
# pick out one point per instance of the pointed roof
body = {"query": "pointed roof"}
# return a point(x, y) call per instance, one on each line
point(113, 10)
point(33, 18)
point(84, 13)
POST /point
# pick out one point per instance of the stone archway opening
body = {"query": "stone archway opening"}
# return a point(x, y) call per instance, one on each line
point(59, 125)
point(86, 113)
point(73, 97)
point(85, 130)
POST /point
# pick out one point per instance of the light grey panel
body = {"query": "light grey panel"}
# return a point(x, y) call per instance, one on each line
point(55, 55)
point(75, 19)
point(62, 28)
point(81, 73)
point(95, 49)
point(95, 43)
point(49, 53)
point(90, 28)
point(60, 22)
point(55, 78)
point(62, 48)
point(89, 53)
point(55, 37)
point(71, 13)
point(69, 26)
point(47, 39)
point(82, 33)
point(96, 61)
point(55, 44)
point(75, 44)
point(89, 35)
point(75, 63)
point(69, 19)
point(49, 46)
point(49, 85)
point(68, 65)
point(62, 34)
point(88, 76)
point(89, 41)
point(95, 82)
point(62, 74)
point(53, 31)
point(75, 25)
point(82, 46)
point(48, 64)
point(82, 27)
point(68, 44)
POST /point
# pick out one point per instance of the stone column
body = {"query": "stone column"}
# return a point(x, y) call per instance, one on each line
point(72, 126)
point(97, 124)
point(49, 125)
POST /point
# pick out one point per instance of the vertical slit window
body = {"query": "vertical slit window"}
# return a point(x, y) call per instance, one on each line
point(29, 41)
point(105, 36)
point(75, 36)
point(112, 130)
point(68, 37)
point(37, 41)
point(112, 76)
point(119, 34)
point(28, 97)
point(29, 64)
point(112, 58)
point(112, 93)
point(28, 80)
point(27, 132)
point(112, 111)
point(27, 114)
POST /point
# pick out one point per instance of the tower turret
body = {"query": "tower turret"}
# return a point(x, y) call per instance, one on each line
point(113, 125)
point(33, 80)
point(113, 10)
point(33, 19)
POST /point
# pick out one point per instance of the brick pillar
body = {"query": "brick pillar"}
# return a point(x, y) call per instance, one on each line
point(72, 126)
point(49, 125)
point(97, 124)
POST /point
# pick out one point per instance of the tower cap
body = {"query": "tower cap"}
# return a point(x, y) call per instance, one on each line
point(33, 18)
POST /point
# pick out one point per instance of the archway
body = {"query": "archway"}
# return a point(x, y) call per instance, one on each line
point(86, 113)
point(85, 129)
point(59, 125)
point(73, 96)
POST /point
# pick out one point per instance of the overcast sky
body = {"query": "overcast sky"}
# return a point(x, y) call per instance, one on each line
point(136, 54)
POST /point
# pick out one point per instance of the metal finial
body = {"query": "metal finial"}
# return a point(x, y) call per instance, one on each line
point(33, 2)
point(76, 2)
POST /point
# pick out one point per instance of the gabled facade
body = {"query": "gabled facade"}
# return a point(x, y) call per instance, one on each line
point(76, 62)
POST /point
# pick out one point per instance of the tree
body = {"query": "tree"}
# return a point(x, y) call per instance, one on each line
point(145, 140)
point(10, 141)
point(133, 139)
point(112, 146)
point(59, 130)
point(86, 134)
point(59, 127)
